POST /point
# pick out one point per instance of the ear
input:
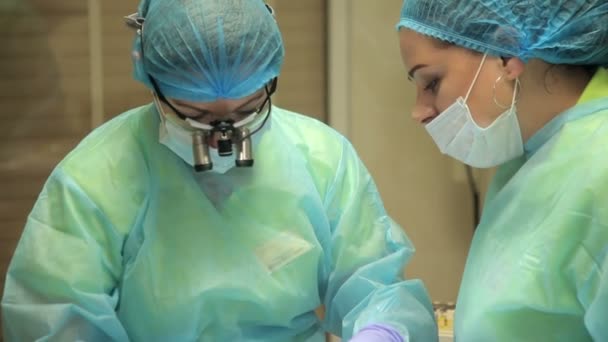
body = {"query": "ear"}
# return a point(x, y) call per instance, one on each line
point(512, 68)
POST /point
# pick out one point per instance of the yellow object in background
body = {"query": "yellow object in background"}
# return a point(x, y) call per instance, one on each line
point(444, 314)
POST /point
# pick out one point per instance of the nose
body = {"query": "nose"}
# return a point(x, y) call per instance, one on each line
point(423, 114)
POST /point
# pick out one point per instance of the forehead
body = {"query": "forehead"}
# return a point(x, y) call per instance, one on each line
point(415, 46)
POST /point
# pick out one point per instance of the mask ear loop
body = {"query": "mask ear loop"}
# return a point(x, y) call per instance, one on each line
point(516, 93)
point(158, 106)
point(476, 76)
point(471, 179)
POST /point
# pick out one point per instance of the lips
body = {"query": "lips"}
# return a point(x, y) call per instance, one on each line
point(428, 120)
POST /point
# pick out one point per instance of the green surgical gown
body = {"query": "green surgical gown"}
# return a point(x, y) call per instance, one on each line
point(128, 243)
point(538, 265)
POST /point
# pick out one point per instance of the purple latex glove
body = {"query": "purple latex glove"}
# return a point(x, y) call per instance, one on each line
point(377, 333)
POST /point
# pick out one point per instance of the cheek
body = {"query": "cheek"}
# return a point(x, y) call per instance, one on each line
point(447, 95)
point(483, 109)
point(481, 101)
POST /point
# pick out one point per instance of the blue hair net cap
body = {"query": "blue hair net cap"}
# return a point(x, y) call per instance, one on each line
point(205, 50)
point(571, 32)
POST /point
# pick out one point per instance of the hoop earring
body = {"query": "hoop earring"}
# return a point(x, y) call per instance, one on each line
point(516, 93)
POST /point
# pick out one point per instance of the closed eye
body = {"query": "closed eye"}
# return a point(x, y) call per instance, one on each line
point(246, 112)
point(432, 86)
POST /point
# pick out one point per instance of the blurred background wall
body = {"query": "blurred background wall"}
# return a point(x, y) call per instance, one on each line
point(65, 69)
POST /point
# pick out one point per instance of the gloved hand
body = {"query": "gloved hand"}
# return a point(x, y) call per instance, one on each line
point(377, 333)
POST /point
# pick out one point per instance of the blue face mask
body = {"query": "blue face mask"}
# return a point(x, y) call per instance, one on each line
point(457, 135)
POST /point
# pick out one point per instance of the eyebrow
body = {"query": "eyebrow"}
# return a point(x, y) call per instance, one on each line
point(414, 69)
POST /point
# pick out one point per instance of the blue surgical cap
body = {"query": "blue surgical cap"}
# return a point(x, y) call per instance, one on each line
point(573, 32)
point(205, 50)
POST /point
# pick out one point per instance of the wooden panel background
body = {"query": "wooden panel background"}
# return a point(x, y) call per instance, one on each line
point(303, 81)
point(45, 86)
point(44, 101)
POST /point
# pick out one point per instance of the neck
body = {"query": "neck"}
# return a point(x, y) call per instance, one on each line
point(547, 93)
